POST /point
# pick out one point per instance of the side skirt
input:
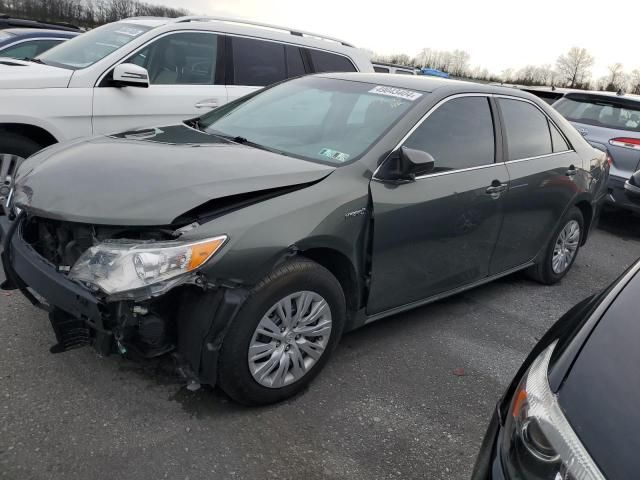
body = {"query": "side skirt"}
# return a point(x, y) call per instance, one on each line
point(440, 296)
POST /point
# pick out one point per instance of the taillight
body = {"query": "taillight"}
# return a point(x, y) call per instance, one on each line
point(626, 142)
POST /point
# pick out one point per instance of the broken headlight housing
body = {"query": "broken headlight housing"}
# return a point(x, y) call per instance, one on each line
point(538, 442)
point(116, 266)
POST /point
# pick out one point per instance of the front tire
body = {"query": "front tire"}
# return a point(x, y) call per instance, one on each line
point(14, 148)
point(283, 335)
point(561, 251)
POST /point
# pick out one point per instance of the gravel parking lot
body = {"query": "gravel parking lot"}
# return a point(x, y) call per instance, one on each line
point(407, 397)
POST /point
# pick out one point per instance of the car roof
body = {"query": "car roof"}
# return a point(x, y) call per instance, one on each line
point(23, 32)
point(426, 83)
point(395, 65)
point(248, 27)
point(8, 21)
point(624, 98)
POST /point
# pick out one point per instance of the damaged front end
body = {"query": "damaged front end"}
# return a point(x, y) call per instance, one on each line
point(122, 289)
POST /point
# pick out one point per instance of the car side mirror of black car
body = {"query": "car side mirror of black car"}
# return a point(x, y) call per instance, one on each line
point(632, 188)
point(406, 164)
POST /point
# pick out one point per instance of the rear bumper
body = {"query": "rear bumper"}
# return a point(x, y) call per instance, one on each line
point(617, 197)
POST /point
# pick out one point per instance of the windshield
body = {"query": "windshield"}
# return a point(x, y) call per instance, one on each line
point(88, 48)
point(601, 112)
point(319, 119)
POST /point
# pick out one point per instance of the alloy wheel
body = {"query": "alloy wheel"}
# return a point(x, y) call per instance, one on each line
point(289, 339)
point(9, 163)
point(566, 247)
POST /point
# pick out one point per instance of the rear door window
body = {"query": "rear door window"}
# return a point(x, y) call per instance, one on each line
point(527, 129)
point(295, 65)
point(381, 69)
point(615, 113)
point(257, 62)
point(459, 134)
point(330, 62)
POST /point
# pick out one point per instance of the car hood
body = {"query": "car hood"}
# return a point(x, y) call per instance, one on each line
point(601, 392)
point(22, 74)
point(151, 176)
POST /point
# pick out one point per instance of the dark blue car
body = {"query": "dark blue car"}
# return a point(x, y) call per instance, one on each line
point(30, 42)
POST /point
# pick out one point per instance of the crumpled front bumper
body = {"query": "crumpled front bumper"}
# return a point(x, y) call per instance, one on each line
point(204, 315)
point(26, 270)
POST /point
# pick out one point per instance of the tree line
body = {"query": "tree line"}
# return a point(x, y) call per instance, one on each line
point(85, 13)
point(572, 70)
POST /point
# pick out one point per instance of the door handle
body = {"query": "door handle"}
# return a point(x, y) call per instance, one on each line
point(206, 104)
point(572, 171)
point(496, 189)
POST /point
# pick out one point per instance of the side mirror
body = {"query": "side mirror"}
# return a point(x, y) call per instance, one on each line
point(632, 188)
point(407, 164)
point(130, 75)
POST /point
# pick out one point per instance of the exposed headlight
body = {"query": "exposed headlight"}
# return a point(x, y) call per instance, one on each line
point(116, 266)
point(538, 442)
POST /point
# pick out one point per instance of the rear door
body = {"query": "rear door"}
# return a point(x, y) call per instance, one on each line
point(542, 168)
point(438, 233)
point(186, 73)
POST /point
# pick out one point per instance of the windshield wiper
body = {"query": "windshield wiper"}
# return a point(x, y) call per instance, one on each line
point(194, 123)
point(245, 141)
point(34, 60)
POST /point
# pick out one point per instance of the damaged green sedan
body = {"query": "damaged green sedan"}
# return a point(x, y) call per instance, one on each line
point(247, 241)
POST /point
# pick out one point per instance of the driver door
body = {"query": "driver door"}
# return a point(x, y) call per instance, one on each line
point(186, 80)
point(438, 232)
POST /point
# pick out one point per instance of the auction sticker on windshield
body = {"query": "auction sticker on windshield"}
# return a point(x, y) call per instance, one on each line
point(396, 92)
point(334, 155)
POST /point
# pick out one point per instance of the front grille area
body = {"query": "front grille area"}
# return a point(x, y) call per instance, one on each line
point(62, 243)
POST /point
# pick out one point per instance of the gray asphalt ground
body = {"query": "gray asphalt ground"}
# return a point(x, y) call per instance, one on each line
point(388, 405)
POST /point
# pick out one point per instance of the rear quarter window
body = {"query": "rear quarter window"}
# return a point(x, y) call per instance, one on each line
point(330, 62)
point(527, 129)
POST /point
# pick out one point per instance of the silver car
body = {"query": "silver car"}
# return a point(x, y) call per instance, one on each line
point(611, 121)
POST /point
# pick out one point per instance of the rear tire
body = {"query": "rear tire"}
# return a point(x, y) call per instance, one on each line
point(315, 307)
point(561, 251)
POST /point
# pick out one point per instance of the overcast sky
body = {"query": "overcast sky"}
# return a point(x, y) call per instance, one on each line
point(497, 33)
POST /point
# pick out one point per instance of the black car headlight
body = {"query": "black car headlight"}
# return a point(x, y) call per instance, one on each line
point(538, 441)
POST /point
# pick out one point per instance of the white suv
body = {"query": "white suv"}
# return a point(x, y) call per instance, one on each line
point(91, 84)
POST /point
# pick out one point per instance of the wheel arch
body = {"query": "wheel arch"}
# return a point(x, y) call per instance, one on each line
point(34, 132)
point(343, 269)
point(587, 210)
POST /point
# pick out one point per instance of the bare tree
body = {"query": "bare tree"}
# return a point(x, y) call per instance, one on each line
point(616, 79)
point(634, 82)
point(575, 66)
point(84, 13)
